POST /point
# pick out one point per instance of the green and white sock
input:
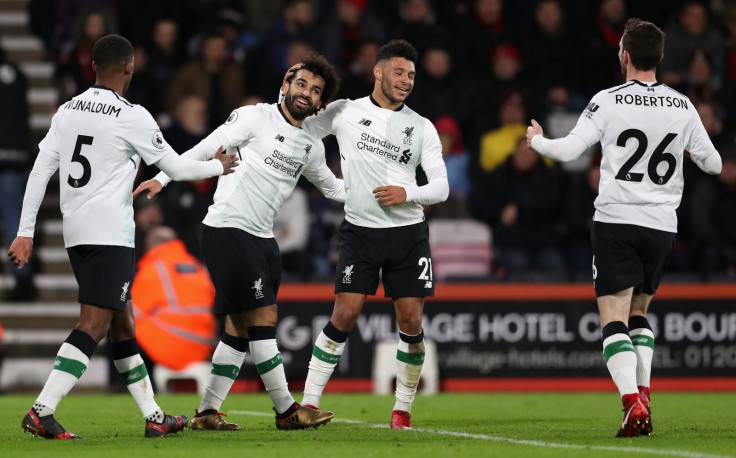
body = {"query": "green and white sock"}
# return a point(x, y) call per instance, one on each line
point(134, 371)
point(325, 356)
point(270, 367)
point(128, 362)
point(226, 363)
point(643, 341)
point(620, 357)
point(70, 364)
point(409, 361)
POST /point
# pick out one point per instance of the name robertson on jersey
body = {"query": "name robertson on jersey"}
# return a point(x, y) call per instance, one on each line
point(377, 146)
point(92, 107)
point(651, 101)
point(284, 164)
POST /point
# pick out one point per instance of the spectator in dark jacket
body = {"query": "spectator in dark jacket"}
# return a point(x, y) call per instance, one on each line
point(521, 201)
point(15, 157)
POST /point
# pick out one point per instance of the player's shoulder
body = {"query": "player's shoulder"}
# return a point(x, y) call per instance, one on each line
point(619, 88)
point(251, 115)
point(675, 93)
point(336, 106)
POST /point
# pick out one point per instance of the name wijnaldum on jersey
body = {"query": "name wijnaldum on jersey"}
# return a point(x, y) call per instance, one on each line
point(92, 107)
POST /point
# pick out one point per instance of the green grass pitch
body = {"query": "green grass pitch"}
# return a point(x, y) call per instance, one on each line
point(692, 425)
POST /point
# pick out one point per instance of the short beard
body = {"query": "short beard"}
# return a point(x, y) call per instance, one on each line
point(386, 89)
point(297, 112)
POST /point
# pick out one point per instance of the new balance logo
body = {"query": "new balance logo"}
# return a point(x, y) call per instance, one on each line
point(590, 109)
point(348, 274)
point(365, 122)
point(428, 285)
point(405, 156)
point(279, 137)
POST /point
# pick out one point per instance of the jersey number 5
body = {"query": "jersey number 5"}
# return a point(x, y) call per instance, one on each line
point(77, 157)
point(658, 156)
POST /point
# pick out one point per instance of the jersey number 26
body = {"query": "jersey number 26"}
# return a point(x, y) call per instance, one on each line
point(658, 156)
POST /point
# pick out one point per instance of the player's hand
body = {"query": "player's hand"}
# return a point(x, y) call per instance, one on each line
point(390, 195)
point(20, 251)
point(229, 161)
point(152, 185)
point(291, 72)
point(532, 131)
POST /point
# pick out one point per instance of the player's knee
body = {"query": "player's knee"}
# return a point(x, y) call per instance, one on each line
point(97, 329)
point(411, 325)
point(344, 318)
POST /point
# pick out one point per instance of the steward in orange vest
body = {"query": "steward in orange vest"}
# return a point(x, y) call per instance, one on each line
point(172, 303)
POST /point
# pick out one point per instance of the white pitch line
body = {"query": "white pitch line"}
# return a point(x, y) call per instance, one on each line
point(651, 451)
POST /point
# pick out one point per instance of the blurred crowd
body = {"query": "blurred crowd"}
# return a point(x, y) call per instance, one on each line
point(486, 68)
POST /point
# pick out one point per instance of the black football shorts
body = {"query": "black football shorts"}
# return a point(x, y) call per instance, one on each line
point(401, 254)
point(104, 274)
point(626, 255)
point(245, 269)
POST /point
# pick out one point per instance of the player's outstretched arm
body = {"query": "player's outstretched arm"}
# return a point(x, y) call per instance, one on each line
point(180, 168)
point(532, 131)
point(20, 251)
point(561, 149)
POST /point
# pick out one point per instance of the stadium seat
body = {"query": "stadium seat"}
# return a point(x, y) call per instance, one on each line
point(460, 248)
point(384, 368)
point(199, 372)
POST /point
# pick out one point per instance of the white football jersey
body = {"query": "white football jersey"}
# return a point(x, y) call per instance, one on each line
point(97, 139)
point(644, 130)
point(273, 154)
point(378, 147)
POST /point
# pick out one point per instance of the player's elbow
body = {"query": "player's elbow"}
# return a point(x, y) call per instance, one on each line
point(445, 191)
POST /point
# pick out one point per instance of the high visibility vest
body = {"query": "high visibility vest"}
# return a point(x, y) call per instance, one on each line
point(173, 298)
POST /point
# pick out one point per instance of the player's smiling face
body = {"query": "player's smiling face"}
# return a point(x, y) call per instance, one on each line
point(304, 96)
point(397, 79)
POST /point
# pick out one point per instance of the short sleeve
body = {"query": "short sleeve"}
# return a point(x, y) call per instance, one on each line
point(589, 126)
point(431, 147)
point(322, 123)
point(144, 136)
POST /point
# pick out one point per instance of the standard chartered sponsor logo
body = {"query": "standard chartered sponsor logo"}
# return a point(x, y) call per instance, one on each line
point(378, 146)
point(283, 163)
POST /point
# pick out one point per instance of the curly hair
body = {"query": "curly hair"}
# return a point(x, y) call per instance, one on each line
point(318, 65)
point(397, 48)
point(645, 43)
